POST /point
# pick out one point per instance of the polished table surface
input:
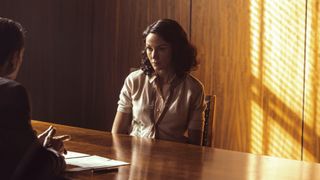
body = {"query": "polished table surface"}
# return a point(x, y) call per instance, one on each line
point(156, 159)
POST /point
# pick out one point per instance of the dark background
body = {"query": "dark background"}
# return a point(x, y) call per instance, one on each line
point(78, 53)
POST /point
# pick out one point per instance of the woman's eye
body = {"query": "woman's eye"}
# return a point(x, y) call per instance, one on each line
point(148, 48)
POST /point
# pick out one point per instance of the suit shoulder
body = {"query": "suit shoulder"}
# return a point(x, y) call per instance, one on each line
point(10, 86)
point(8, 83)
point(11, 91)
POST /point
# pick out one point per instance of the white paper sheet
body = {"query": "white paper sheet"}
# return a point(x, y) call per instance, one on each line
point(83, 161)
point(72, 154)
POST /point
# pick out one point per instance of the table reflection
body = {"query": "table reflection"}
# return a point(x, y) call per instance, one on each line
point(157, 159)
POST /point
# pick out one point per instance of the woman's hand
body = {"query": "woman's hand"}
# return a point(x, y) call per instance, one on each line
point(48, 140)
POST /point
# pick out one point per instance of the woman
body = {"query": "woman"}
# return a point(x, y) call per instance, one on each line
point(23, 154)
point(162, 100)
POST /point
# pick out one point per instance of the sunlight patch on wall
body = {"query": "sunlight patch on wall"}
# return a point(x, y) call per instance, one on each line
point(277, 146)
point(312, 88)
point(283, 51)
point(255, 10)
point(257, 129)
point(277, 65)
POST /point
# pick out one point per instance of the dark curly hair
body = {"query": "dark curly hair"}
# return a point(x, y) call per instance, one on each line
point(12, 37)
point(183, 52)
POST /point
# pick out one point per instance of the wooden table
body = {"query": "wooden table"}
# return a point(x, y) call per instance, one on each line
point(156, 159)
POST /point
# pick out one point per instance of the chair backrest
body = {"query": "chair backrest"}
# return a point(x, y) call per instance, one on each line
point(207, 136)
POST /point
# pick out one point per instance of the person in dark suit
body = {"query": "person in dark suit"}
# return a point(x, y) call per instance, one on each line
point(24, 155)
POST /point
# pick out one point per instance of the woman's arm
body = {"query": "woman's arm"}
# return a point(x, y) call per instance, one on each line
point(196, 115)
point(121, 123)
point(195, 129)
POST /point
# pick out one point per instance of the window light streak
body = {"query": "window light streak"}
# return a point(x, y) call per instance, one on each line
point(277, 62)
point(278, 147)
point(257, 128)
point(276, 54)
point(255, 10)
point(254, 90)
point(281, 72)
point(311, 68)
point(280, 114)
point(312, 87)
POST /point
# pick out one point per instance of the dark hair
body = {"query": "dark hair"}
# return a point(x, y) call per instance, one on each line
point(11, 39)
point(183, 52)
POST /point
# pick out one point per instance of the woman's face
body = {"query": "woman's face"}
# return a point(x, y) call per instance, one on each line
point(159, 52)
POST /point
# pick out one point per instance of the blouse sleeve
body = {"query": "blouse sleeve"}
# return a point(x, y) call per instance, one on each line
point(196, 113)
point(125, 100)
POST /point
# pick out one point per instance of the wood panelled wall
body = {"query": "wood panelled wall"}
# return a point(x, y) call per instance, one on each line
point(311, 150)
point(254, 59)
point(221, 32)
point(78, 53)
point(252, 53)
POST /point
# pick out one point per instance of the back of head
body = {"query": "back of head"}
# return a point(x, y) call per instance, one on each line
point(11, 39)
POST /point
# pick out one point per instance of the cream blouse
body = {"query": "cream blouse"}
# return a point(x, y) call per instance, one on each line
point(167, 118)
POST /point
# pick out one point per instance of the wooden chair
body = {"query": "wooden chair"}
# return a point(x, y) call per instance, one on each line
point(207, 135)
